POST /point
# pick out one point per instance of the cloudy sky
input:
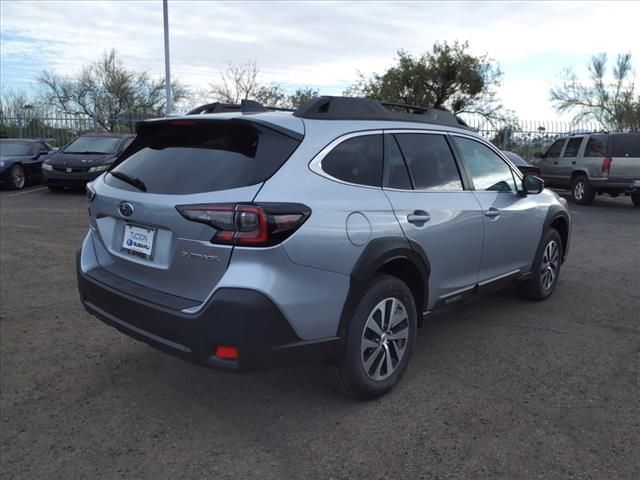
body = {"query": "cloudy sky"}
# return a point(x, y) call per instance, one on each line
point(319, 44)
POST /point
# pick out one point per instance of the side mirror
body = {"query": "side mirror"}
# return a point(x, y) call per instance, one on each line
point(532, 184)
point(538, 155)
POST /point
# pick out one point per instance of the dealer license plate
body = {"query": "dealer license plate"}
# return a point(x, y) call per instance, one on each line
point(138, 240)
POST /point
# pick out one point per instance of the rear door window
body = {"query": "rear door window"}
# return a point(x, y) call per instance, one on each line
point(188, 156)
point(596, 146)
point(625, 145)
point(572, 147)
point(430, 162)
point(357, 160)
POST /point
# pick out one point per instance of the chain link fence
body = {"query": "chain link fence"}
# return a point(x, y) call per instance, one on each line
point(523, 137)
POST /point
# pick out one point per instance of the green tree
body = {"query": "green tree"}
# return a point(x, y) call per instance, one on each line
point(448, 76)
point(610, 100)
point(108, 92)
point(301, 96)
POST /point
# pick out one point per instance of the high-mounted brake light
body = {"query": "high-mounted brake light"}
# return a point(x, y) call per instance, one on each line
point(249, 225)
point(606, 165)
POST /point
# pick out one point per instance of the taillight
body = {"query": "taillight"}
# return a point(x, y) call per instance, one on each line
point(606, 165)
point(259, 225)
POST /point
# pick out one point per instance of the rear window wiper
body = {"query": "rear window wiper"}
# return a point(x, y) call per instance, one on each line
point(136, 182)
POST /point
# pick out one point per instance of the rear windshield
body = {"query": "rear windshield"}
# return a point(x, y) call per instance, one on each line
point(186, 156)
point(625, 145)
point(89, 144)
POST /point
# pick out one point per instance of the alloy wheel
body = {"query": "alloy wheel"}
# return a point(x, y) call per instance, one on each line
point(384, 339)
point(578, 190)
point(550, 264)
point(17, 177)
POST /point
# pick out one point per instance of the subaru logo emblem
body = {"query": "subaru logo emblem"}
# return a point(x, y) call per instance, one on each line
point(126, 209)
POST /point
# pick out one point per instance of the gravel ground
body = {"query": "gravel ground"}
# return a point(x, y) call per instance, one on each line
point(500, 388)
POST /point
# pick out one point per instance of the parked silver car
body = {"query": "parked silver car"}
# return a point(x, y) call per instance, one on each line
point(593, 164)
point(249, 238)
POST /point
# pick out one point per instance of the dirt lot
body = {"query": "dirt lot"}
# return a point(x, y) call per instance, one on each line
point(499, 388)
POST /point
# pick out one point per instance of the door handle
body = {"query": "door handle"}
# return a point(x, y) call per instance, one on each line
point(418, 217)
point(555, 163)
point(492, 213)
point(573, 163)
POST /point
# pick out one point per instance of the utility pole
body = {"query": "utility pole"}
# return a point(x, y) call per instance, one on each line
point(167, 69)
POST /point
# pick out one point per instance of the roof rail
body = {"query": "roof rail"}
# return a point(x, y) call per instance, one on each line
point(245, 106)
point(357, 108)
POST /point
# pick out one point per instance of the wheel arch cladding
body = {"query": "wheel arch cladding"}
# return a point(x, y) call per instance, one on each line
point(558, 219)
point(395, 256)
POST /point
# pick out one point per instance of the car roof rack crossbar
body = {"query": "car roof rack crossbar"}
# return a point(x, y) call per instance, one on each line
point(245, 106)
point(357, 108)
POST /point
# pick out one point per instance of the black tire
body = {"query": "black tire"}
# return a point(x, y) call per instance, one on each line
point(55, 188)
point(17, 177)
point(635, 198)
point(347, 373)
point(537, 287)
point(581, 192)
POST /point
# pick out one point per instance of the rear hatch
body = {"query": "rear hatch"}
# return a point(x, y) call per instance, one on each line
point(625, 156)
point(144, 237)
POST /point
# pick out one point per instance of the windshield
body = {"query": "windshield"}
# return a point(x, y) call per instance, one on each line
point(93, 145)
point(14, 148)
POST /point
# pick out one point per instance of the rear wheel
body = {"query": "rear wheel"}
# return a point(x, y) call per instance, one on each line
point(581, 191)
point(379, 340)
point(546, 269)
point(635, 198)
point(18, 178)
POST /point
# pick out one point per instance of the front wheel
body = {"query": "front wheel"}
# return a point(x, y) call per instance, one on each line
point(581, 191)
point(18, 178)
point(635, 198)
point(546, 269)
point(379, 340)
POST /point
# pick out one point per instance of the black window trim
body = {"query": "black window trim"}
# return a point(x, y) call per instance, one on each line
point(315, 165)
point(466, 184)
point(515, 171)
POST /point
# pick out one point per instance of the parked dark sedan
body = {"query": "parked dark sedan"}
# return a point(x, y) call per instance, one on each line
point(21, 160)
point(525, 167)
point(83, 159)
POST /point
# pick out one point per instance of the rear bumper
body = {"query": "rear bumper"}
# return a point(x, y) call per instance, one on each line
point(64, 179)
point(244, 319)
point(627, 185)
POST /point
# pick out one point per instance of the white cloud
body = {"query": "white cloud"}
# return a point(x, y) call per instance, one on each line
point(321, 44)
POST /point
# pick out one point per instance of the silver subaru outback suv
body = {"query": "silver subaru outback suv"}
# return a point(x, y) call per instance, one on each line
point(240, 237)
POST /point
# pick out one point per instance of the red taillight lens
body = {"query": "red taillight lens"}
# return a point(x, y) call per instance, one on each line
point(246, 224)
point(606, 164)
point(228, 353)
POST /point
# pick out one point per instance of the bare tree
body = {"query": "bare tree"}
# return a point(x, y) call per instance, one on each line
point(237, 82)
point(612, 101)
point(242, 82)
point(108, 92)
